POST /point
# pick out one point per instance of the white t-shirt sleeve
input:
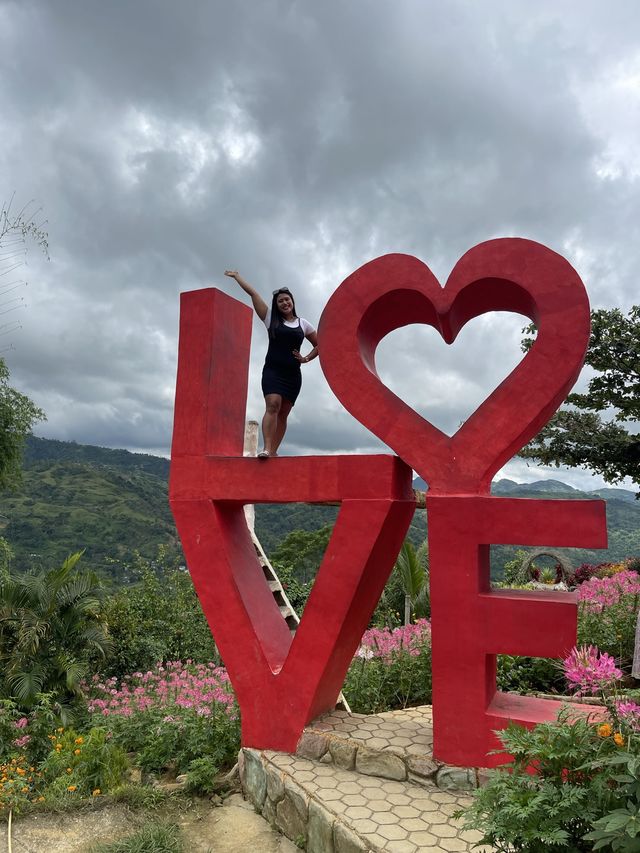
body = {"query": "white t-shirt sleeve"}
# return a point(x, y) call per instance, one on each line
point(267, 318)
point(306, 327)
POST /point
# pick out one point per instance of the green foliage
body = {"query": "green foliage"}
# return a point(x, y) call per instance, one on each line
point(392, 669)
point(86, 763)
point(176, 737)
point(296, 591)
point(201, 776)
point(372, 686)
point(579, 437)
point(556, 807)
point(413, 570)
point(50, 623)
point(157, 619)
point(303, 550)
point(529, 675)
point(612, 630)
point(513, 573)
point(18, 414)
point(619, 829)
point(153, 837)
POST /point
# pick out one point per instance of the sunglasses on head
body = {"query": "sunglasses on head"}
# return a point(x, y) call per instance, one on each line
point(281, 290)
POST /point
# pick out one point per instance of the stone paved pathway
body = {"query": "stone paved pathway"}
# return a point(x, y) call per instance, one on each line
point(364, 783)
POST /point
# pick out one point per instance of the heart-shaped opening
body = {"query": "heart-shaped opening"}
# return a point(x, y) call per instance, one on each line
point(446, 383)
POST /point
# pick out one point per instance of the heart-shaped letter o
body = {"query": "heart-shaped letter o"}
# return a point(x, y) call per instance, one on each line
point(396, 290)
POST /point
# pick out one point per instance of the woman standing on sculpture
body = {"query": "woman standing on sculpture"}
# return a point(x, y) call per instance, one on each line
point(281, 374)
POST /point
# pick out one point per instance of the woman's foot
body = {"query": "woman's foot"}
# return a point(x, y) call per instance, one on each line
point(264, 454)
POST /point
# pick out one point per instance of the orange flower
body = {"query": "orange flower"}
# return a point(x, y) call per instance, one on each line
point(68, 770)
point(96, 792)
point(72, 788)
point(604, 730)
point(79, 740)
point(618, 739)
point(77, 751)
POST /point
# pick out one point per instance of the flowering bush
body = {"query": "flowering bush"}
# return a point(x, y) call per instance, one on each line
point(391, 669)
point(607, 614)
point(588, 671)
point(171, 716)
point(585, 793)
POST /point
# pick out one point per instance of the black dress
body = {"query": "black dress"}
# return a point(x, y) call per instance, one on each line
point(281, 373)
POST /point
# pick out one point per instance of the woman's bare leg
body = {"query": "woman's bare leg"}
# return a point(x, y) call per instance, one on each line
point(273, 404)
point(281, 427)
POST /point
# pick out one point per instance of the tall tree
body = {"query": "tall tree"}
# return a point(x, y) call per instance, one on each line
point(599, 432)
point(18, 414)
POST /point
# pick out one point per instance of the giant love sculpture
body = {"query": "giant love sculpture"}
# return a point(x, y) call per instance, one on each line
point(283, 682)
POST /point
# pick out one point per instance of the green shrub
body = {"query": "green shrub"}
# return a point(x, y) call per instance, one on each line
point(157, 619)
point(392, 669)
point(553, 809)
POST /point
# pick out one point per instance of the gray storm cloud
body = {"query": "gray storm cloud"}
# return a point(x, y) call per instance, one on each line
point(295, 141)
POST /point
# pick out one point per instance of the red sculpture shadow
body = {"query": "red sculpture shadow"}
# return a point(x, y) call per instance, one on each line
point(471, 624)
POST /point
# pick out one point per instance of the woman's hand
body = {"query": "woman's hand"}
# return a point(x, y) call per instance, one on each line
point(232, 273)
point(301, 358)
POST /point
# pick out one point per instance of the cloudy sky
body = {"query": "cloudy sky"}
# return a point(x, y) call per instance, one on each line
point(294, 141)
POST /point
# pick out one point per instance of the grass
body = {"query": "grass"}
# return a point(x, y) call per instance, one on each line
point(153, 837)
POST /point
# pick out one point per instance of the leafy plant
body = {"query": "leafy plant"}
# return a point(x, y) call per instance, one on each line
point(153, 837)
point(391, 669)
point(50, 622)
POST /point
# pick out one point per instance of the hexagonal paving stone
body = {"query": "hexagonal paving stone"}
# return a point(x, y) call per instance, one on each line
point(404, 812)
point(404, 846)
point(386, 818)
point(359, 813)
point(380, 806)
point(399, 799)
point(443, 830)
point(393, 831)
point(369, 782)
point(354, 800)
point(423, 839)
point(348, 787)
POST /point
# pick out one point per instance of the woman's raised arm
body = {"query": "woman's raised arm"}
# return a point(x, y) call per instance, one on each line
point(259, 304)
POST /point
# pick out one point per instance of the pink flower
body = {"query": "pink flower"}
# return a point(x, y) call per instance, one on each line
point(587, 670)
point(22, 723)
point(22, 741)
point(630, 713)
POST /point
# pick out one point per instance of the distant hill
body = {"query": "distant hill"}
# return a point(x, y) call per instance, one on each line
point(75, 496)
point(112, 502)
point(623, 519)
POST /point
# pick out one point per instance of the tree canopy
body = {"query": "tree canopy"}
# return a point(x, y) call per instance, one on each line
point(18, 413)
point(597, 432)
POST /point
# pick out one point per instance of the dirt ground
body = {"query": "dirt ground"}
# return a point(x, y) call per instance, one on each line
point(233, 827)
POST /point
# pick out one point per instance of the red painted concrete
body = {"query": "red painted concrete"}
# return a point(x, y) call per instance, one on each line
point(282, 684)
point(398, 290)
point(470, 623)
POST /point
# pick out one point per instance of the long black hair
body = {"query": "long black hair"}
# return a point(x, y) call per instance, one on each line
point(276, 316)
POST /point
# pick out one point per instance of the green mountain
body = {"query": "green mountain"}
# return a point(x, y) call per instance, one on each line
point(74, 496)
point(113, 502)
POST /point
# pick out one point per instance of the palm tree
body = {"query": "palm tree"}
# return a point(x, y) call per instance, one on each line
point(413, 568)
point(49, 624)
